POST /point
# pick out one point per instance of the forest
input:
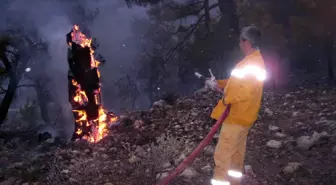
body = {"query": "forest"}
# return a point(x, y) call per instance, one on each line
point(149, 51)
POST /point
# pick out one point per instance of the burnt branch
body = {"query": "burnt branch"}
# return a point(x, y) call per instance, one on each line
point(182, 44)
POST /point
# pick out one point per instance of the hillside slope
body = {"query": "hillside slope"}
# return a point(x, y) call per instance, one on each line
point(293, 142)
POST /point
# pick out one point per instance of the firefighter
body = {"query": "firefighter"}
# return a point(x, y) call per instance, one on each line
point(243, 90)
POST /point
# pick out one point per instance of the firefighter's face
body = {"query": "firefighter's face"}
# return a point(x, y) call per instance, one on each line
point(244, 46)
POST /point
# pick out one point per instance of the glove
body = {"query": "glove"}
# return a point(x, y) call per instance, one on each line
point(211, 83)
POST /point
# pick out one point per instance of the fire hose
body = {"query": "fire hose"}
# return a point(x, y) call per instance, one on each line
point(187, 161)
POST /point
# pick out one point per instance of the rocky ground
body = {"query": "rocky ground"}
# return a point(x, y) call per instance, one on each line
point(293, 142)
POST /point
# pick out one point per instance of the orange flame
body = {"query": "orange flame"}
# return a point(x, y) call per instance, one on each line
point(99, 127)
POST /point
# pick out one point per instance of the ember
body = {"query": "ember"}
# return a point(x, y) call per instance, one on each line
point(91, 120)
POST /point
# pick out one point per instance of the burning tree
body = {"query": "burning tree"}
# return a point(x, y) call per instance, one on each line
point(91, 120)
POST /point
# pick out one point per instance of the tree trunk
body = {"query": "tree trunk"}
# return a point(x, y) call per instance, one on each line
point(207, 17)
point(9, 96)
point(42, 101)
point(228, 9)
point(226, 34)
point(14, 79)
point(329, 43)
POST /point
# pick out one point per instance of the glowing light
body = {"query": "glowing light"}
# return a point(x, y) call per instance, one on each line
point(216, 182)
point(259, 73)
point(235, 174)
point(28, 69)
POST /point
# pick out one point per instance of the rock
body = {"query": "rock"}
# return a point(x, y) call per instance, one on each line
point(140, 151)
point(248, 169)
point(26, 183)
point(50, 141)
point(180, 159)
point(133, 159)
point(295, 114)
point(209, 150)
point(305, 142)
point(299, 123)
point(273, 128)
point(138, 124)
point(162, 175)
point(65, 171)
point(75, 152)
point(280, 135)
point(101, 149)
point(159, 103)
point(331, 122)
point(206, 168)
point(292, 167)
point(108, 183)
point(189, 172)
point(334, 149)
point(105, 156)
point(269, 112)
point(166, 165)
point(113, 149)
point(274, 144)
point(73, 180)
point(194, 113)
point(177, 126)
point(16, 165)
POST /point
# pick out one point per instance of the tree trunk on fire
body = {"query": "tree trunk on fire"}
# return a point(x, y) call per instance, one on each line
point(83, 83)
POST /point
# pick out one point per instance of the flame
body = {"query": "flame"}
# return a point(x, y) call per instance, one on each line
point(99, 126)
point(80, 97)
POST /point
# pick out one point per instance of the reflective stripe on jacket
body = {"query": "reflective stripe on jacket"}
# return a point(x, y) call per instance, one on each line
point(243, 90)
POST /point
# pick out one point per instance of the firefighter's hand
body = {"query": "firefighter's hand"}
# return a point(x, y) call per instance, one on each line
point(211, 83)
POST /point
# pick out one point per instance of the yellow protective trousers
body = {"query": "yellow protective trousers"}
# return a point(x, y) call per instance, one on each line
point(229, 154)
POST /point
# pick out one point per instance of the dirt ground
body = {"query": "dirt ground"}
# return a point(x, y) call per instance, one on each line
point(293, 142)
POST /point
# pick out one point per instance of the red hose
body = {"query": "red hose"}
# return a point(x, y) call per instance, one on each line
point(187, 161)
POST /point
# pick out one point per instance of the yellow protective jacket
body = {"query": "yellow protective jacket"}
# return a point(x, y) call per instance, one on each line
point(243, 90)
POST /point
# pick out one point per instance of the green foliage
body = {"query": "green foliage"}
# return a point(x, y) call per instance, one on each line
point(28, 112)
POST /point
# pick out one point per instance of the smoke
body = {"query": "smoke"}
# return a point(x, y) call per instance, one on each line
point(112, 26)
point(119, 37)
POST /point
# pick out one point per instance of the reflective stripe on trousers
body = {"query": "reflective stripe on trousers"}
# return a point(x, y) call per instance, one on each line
point(230, 152)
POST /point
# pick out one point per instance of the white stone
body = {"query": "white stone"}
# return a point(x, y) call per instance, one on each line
point(162, 175)
point(248, 169)
point(295, 114)
point(291, 167)
point(305, 142)
point(280, 135)
point(274, 144)
point(269, 112)
point(189, 173)
point(65, 171)
point(273, 128)
point(159, 103)
point(133, 159)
